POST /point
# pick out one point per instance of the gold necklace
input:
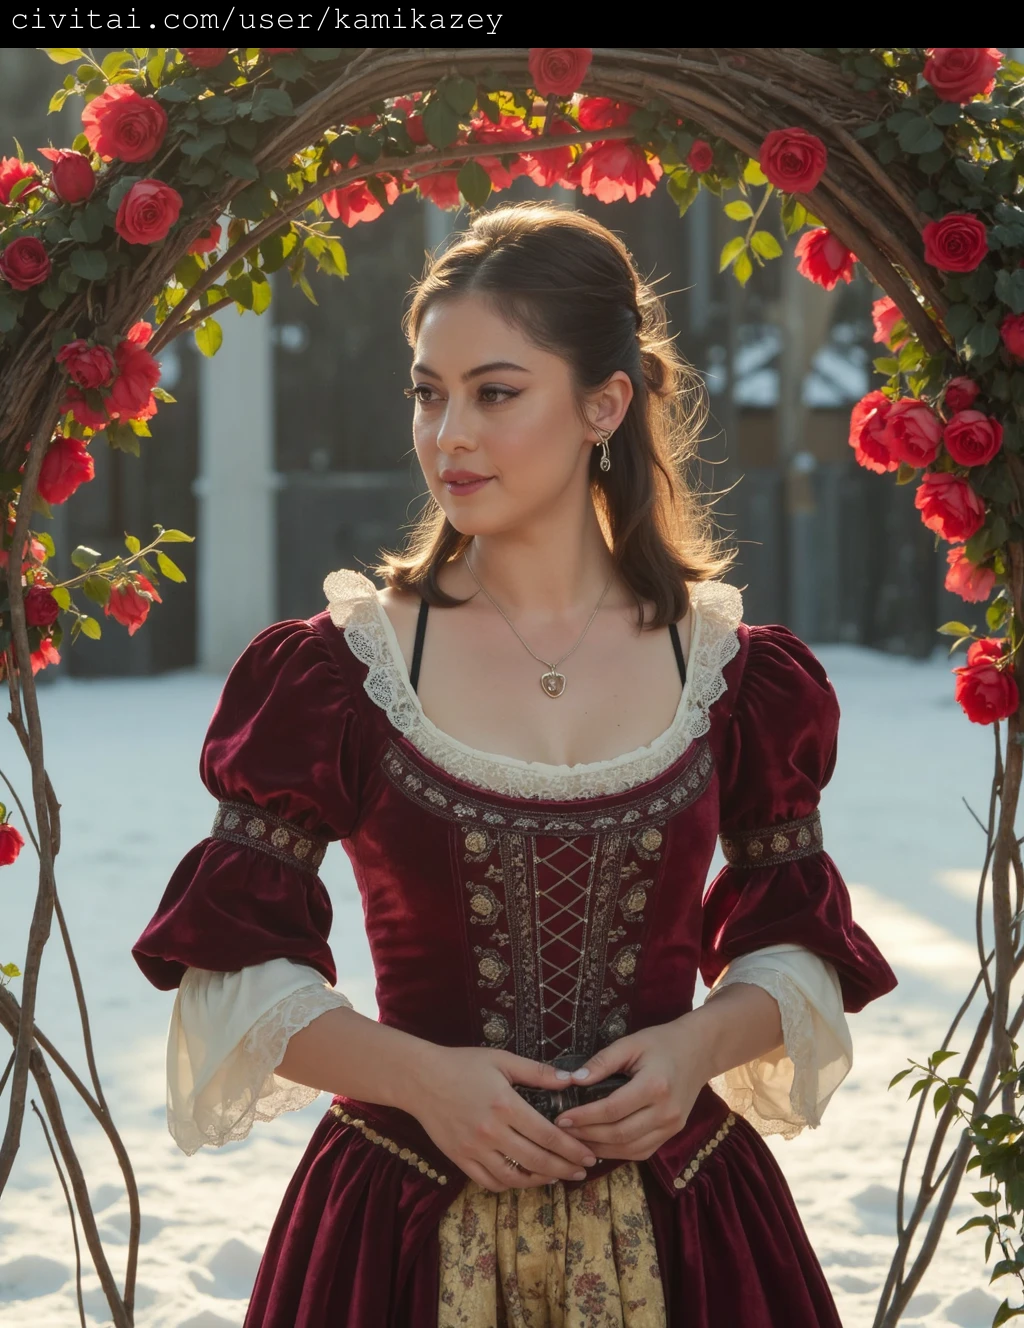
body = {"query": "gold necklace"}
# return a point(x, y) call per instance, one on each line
point(552, 682)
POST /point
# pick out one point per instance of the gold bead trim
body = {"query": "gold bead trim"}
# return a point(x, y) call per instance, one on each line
point(704, 1153)
point(255, 827)
point(774, 844)
point(406, 1154)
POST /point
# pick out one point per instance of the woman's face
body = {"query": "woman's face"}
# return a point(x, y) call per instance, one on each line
point(497, 428)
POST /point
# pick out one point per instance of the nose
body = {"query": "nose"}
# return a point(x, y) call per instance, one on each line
point(454, 432)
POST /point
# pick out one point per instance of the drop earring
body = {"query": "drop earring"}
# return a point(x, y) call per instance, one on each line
point(606, 461)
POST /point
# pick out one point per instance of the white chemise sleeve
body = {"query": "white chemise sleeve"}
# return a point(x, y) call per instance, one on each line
point(789, 1088)
point(227, 1034)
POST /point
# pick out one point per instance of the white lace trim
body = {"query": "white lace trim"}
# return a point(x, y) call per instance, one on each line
point(259, 1094)
point(748, 1088)
point(718, 610)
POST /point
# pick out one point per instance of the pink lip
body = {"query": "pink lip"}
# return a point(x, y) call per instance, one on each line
point(461, 476)
point(464, 486)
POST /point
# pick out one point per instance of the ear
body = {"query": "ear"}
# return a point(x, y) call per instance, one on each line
point(607, 405)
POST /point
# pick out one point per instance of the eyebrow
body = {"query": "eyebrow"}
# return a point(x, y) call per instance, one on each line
point(471, 373)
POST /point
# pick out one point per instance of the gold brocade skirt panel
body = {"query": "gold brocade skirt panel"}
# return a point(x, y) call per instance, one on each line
point(548, 1257)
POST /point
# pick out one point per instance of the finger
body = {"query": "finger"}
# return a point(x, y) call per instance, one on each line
point(522, 1177)
point(541, 1132)
point(537, 1159)
point(533, 1074)
point(615, 1107)
point(617, 1056)
point(620, 1133)
point(476, 1171)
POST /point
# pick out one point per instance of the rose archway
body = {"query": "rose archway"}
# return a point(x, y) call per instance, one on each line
point(201, 172)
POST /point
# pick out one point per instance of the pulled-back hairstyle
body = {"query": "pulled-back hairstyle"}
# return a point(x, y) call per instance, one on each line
point(569, 284)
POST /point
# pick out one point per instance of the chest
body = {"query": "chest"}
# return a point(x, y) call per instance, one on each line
point(481, 685)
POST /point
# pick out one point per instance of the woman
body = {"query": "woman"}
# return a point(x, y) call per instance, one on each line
point(530, 793)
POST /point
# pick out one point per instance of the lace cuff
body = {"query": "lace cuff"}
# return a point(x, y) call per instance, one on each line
point(227, 1033)
point(789, 1088)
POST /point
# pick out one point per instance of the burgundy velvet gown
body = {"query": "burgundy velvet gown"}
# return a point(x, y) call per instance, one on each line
point(460, 883)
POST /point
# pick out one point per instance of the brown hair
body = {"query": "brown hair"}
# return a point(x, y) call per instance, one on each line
point(570, 285)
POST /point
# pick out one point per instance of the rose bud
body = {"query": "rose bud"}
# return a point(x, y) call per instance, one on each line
point(41, 609)
point(960, 393)
point(66, 465)
point(89, 366)
point(72, 177)
point(11, 844)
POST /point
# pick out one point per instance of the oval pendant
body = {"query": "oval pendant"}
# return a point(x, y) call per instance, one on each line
point(553, 683)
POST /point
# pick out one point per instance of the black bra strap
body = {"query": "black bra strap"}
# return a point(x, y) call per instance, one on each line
point(674, 632)
point(417, 650)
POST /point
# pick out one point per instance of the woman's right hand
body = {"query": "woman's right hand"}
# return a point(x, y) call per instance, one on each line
point(465, 1100)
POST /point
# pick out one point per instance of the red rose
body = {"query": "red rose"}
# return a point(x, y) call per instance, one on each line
point(970, 582)
point(204, 57)
point(11, 843)
point(413, 121)
point(24, 263)
point(867, 433)
point(129, 603)
point(41, 609)
point(1011, 329)
point(949, 506)
point(824, 259)
point(793, 160)
point(66, 465)
point(958, 73)
point(913, 432)
point(355, 203)
point(46, 654)
point(700, 156)
point(986, 692)
point(71, 175)
point(885, 314)
point(140, 333)
point(957, 243)
point(120, 125)
point(207, 242)
point(960, 393)
point(440, 186)
point(137, 374)
point(148, 211)
point(85, 415)
point(89, 366)
point(551, 165)
point(509, 130)
point(603, 112)
point(558, 71)
point(12, 169)
point(616, 169)
point(972, 438)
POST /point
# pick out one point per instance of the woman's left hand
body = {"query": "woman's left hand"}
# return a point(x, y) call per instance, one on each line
point(668, 1066)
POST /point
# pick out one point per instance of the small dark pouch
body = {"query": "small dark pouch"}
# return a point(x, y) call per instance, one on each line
point(551, 1103)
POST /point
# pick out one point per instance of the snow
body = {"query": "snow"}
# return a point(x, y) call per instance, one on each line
point(123, 756)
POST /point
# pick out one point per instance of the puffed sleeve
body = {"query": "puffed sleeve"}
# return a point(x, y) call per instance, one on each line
point(280, 755)
point(242, 928)
point(778, 914)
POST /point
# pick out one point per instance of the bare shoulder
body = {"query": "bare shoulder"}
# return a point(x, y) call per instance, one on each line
point(402, 608)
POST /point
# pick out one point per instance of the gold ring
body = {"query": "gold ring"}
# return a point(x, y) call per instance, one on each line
point(513, 1163)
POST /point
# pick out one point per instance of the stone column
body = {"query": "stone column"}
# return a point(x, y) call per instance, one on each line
point(236, 492)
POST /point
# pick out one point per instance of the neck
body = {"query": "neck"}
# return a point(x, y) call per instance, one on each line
point(544, 574)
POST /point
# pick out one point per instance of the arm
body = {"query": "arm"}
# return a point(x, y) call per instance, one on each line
point(742, 1024)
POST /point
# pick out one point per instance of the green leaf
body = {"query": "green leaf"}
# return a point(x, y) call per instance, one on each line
point(459, 93)
point(218, 110)
point(731, 251)
point(474, 184)
point(270, 103)
point(887, 364)
point(10, 970)
point(90, 627)
point(96, 588)
point(114, 61)
point(261, 290)
point(920, 136)
point(331, 259)
point(937, 1057)
point(954, 629)
point(62, 595)
point(683, 187)
point(738, 210)
point(240, 167)
point(9, 312)
point(753, 174)
point(63, 55)
point(941, 1098)
point(83, 557)
point(1010, 289)
point(765, 244)
point(1004, 1313)
point(368, 148)
point(57, 100)
point(960, 318)
point(46, 540)
point(175, 537)
point(170, 569)
point(155, 67)
point(89, 263)
point(900, 1076)
point(240, 290)
point(132, 544)
point(213, 137)
point(743, 268)
point(946, 113)
point(121, 437)
point(440, 123)
point(119, 189)
point(794, 216)
point(983, 339)
point(987, 1198)
point(209, 336)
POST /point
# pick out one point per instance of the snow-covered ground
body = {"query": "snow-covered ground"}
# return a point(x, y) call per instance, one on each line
point(123, 756)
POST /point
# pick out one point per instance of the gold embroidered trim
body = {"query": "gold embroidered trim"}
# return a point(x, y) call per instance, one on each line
point(245, 823)
point(406, 1154)
point(773, 844)
point(704, 1153)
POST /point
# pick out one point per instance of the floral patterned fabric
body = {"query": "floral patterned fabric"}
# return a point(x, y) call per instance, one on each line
point(548, 1257)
